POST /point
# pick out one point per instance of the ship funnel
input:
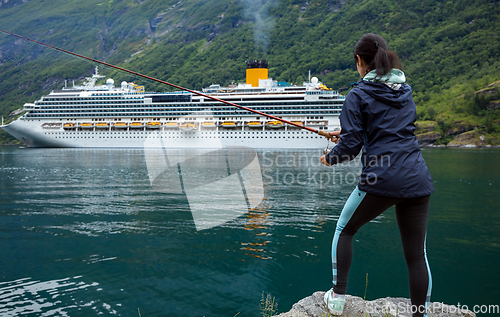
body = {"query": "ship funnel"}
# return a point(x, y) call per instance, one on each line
point(256, 69)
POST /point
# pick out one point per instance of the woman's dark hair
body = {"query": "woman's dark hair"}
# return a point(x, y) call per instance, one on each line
point(372, 48)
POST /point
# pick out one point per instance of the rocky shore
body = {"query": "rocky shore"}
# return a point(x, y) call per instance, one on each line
point(462, 136)
point(313, 306)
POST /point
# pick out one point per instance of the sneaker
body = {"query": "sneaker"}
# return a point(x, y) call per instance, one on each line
point(334, 302)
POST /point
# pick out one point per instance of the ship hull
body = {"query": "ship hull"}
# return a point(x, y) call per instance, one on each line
point(32, 134)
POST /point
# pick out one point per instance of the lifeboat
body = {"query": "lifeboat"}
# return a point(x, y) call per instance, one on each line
point(171, 125)
point(254, 124)
point(120, 125)
point(316, 123)
point(228, 124)
point(275, 124)
point(86, 125)
point(153, 125)
point(208, 124)
point(102, 125)
point(51, 125)
point(290, 126)
point(136, 125)
point(69, 126)
point(188, 126)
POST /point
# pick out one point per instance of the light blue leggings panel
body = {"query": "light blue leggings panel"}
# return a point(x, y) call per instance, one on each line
point(349, 208)
point(429, 288)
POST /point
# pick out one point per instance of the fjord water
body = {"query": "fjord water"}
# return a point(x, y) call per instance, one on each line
point(83, 233)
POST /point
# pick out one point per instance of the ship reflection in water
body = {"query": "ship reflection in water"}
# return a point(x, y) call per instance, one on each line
point(220, 185)
point(258, 222)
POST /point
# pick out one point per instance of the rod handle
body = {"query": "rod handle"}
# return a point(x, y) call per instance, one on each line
point(325, 134)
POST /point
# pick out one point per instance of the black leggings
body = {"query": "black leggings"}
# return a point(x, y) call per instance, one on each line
point(411, 213)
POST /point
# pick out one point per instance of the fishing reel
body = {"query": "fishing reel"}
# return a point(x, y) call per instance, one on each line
point(327, 150)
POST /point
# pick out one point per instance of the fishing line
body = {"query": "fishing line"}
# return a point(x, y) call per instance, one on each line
point(20, 64)
point(317, 131)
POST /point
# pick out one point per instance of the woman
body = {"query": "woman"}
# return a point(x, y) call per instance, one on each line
point(378, 116)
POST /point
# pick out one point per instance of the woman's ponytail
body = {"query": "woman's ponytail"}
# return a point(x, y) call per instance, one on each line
point(381, 61)
point(372, 48)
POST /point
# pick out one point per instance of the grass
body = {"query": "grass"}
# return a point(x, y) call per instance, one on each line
point(268, 305)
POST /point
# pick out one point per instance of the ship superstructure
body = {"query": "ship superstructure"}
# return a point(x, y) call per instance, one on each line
point(91, 115)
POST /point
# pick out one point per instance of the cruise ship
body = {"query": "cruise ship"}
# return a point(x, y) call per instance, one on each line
point(106, 116)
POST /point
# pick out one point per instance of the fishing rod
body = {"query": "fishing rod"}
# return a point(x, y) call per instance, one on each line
point(318, 131)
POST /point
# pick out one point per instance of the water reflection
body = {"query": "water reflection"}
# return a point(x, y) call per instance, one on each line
point(258, 223)
point(50, 298)
point(94, 214)
point(220, 185)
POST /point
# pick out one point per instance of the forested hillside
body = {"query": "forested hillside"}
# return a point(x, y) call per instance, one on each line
point(450, 50)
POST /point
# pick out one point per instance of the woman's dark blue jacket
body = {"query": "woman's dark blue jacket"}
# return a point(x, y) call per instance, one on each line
point(382, 122)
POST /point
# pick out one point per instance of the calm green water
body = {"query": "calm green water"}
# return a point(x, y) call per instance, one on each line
point(83, 233)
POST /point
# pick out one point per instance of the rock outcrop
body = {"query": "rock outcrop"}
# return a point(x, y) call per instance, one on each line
point(313, 306)
point(467, 139)
point(15, 112)
point(426, 132)
point(428, 137)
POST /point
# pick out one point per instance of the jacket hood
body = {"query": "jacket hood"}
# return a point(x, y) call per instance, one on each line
point(395, 76)
point(383, 93)
point(389, 88)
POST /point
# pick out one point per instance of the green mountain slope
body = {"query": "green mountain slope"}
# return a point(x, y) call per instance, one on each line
point(450, 50)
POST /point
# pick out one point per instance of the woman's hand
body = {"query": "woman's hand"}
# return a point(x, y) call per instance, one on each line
point(335, 136)
point(332, 136)
point(323, 160)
